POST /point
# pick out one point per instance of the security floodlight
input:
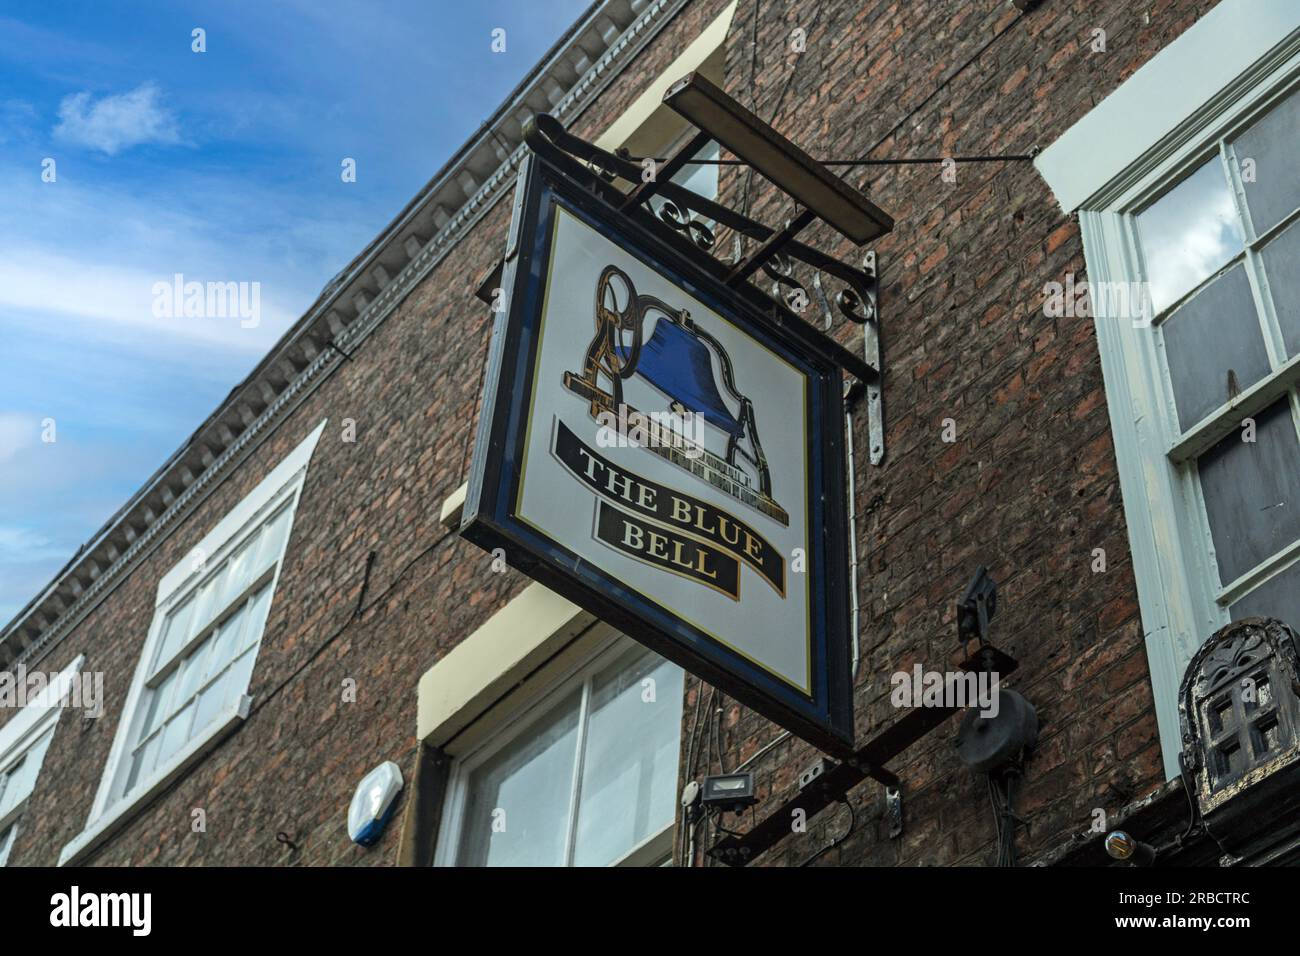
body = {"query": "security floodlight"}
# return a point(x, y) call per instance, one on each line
point(778, 159)
point(729, 791)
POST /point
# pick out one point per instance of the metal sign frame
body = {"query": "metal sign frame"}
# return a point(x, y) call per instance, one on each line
point(825, 716)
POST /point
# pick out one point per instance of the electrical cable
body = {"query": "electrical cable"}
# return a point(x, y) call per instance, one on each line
point(909, 161)
point(836, 841)
point(766, 748)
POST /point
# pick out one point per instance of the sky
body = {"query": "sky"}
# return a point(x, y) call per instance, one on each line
point(126, 158)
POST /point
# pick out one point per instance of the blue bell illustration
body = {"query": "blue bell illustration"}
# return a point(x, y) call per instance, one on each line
point(677, 363)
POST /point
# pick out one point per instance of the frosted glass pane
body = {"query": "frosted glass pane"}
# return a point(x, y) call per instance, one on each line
point(517, 806)
point(629, 772)
point(1189, 233)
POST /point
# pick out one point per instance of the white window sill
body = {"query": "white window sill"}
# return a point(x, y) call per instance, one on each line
point(104, 826)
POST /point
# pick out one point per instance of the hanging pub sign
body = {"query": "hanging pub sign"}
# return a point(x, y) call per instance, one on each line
point(664, 453)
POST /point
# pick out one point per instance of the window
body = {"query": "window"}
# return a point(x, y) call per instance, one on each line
point(1196, 201)
point(191, 684)
point(23, 743)
point(699, 178)
point(17, 780)
point(586, 776)
point(1221, 254)
point(208, 640)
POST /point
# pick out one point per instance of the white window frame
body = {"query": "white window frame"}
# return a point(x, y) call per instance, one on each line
point(28, 726)
point(110, 811)
point(1222, 74)
point(609, 646)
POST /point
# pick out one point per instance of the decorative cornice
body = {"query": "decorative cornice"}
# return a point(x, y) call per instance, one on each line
point(351, 306)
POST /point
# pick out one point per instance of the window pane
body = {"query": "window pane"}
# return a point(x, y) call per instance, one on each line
point(530, 781)
point(239, 571)
point(159, 701)
point(213, 701)
point(7, 842)
point(1282, 267)
point(1189, 233)
point(241, 672)
point(176, 732)
point(144, 761)
point(1252, 492)
point(191, 672)
point(11, 785)
point(257, 616)
point(20, 778)
point(1212, 340)
point(1278, 597)
point(1271, 143)
point(629, 770)
point(227, 641)
point(272, 540)
point(175, 631)
point(205, 605)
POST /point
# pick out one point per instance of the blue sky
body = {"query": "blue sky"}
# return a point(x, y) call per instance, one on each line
point(223, 166)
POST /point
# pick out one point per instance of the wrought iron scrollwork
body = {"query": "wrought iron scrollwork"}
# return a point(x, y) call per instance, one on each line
point(697, 218)
point(696, 229)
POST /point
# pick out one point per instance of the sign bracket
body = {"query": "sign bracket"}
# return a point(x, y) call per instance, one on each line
point(692, 220)
point(867, 761)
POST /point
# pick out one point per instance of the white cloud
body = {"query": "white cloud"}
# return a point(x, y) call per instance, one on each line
point(116, 122)
point(78, 289)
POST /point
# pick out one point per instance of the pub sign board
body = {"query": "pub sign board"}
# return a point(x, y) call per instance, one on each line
point(659, 451)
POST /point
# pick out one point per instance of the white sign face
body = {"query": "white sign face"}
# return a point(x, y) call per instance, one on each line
point(670, 449)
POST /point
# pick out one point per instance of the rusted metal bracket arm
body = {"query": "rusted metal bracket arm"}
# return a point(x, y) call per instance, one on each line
point(773, 246)
point(868, 761)
point(667, 170)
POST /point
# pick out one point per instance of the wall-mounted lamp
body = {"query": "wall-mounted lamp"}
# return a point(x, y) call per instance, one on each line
point(729, 791)
point(778, 159)
point(1120, 846)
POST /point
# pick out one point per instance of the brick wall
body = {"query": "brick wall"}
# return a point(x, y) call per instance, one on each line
point(412, 388)
point(1029, 487)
